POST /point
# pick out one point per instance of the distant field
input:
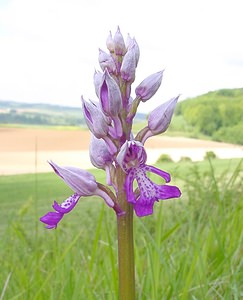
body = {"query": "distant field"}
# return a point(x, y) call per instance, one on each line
point(26, 150)
point(60, 138)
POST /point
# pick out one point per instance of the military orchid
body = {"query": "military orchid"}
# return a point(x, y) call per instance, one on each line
point(113, 146)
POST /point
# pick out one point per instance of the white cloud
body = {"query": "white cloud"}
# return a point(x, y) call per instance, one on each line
point(49, 48)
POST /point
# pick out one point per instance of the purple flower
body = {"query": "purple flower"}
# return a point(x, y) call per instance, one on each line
point(82, 183)
point(132, 158)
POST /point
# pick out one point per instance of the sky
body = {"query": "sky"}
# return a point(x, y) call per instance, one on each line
point(49, 48)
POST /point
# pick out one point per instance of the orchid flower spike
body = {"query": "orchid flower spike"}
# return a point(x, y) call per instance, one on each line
point(113, 147)
point(132, 158)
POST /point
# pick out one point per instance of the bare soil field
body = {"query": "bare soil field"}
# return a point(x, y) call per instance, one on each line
point(26, 150)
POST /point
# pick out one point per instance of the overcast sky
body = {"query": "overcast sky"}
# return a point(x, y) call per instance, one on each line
point(49, 48)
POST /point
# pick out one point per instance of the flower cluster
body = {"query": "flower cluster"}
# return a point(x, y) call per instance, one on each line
point(113, 145)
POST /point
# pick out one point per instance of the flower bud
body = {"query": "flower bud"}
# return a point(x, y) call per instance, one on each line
point(149, 86)
point(128, 66)
point(110, 43)
point(119, 44)
point(132, 43)
point(95, 119)
point(97, 82)
point(160, 118)
point(106, 62)
point(99, 154)
point(110, 96)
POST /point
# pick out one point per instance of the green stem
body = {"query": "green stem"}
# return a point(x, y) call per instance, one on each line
point(125, 243)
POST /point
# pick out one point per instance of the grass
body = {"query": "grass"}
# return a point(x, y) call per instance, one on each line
point(190, 248)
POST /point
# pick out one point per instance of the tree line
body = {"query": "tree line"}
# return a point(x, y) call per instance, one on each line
point(217, 114)
point(15, 117)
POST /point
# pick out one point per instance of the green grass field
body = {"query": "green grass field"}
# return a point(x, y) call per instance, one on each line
point(190, 248)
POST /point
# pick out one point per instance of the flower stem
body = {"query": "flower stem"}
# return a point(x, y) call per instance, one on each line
point(125, 243)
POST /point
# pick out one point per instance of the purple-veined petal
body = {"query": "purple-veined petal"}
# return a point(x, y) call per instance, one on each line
point(143, 208)
point(159, 172)
point(168, 191)
point(51, 219)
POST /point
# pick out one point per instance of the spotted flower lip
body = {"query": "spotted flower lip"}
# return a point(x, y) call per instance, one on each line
point(132, 158)
point(51, 219)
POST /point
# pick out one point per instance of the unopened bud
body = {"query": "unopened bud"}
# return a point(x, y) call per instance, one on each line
point(94, 118)
point(149, 86)
point(99, 154)
point(106, 62)
point(110, 96)
point(160, 118)
point(128, 66)
point(119, 44)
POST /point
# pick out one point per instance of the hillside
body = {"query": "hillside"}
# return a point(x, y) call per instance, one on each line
point(43, 114)
point(39, 114)
point(217, 115)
